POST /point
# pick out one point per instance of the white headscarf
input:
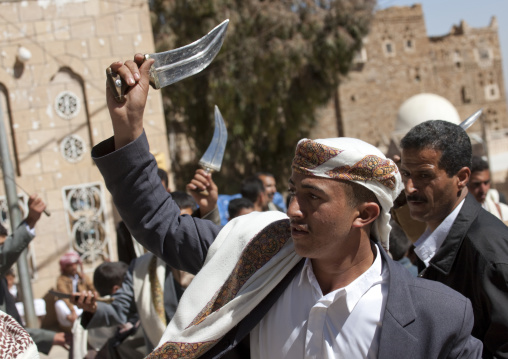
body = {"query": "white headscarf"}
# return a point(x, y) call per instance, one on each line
point(353, 160)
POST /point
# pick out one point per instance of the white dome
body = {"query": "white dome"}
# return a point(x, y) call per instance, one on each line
point(423, 107)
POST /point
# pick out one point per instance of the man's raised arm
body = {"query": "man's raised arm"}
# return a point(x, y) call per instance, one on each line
point(130, 174)
point(127, 117)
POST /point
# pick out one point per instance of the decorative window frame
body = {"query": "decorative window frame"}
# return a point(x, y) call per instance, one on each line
point(70, 99)
point(484, 61)
point(70, 150)
point(491, 92)
point(85, 208)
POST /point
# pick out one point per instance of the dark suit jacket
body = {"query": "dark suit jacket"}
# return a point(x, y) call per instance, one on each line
point(473, 260)
point(124, 308)
point(422, 319)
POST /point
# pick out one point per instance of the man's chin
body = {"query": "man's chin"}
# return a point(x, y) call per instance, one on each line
point(418, 211)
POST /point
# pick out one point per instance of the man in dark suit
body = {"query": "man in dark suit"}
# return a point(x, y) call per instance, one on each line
point(464, 246)
point(318, 283)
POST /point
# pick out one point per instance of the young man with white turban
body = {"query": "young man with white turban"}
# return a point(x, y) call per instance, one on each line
point(317, 284)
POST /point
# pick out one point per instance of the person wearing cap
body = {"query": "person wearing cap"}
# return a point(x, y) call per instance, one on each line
point(464, 246)
point(70, 280)
point(315, 283)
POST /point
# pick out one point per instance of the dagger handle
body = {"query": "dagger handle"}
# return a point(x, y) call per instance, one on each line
point(205, 191)
point(116, 84)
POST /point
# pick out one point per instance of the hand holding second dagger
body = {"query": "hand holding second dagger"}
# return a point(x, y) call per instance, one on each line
point(204, 191)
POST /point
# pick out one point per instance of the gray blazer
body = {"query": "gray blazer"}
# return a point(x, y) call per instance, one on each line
point(9, 254)
point(422, 319)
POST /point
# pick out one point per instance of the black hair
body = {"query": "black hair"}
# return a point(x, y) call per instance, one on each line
point(10, 271)
point(450, 139)
point(3, 230)
point(479, 164)
point(184, 200)
point(357, 194)
point(237, 204)
point(163, 175)
point(267, 174)
point(251, 188)
point(107, 275)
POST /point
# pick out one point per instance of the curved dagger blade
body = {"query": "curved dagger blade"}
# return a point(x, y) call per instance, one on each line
point(212, 159)
point(471, 119)
point(174, 65)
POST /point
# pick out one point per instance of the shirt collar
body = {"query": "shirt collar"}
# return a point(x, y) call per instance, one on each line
point(376, 273)
point(430, 241)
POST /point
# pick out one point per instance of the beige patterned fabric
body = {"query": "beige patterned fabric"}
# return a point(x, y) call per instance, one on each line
point(353, 160)
point(157, 292)
point(242, 267)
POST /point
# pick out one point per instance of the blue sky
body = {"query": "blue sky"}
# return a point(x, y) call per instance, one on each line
point(441, 15)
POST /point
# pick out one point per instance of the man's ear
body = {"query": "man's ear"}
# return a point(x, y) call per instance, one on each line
point(115, 288)
point(463, 177)
point(259, 198)
point(367, 213)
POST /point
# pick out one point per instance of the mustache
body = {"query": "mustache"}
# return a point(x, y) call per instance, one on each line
point(416, 198)
point(297, 223)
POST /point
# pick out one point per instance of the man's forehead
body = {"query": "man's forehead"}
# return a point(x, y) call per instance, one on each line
point(307, 180)
point(420, 156)
point(480, 175)
point(266, 178)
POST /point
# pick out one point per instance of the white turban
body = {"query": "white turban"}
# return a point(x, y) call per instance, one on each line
point(353, 160)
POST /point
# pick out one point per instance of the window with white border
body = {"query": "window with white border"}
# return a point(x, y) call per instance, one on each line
point(67, 105)
point(86, 220)
point(72, 148)
point(491, 92)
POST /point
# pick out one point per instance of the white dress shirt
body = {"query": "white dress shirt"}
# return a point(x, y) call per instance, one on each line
point(304, 323)
point(430, 241)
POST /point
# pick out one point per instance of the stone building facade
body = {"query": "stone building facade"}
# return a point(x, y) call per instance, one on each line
point(399, 60)
point(53, 56)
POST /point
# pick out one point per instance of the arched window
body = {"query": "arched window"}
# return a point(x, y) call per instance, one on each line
point(71, 118)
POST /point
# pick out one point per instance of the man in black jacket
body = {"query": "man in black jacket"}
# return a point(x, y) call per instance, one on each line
point(464, 246)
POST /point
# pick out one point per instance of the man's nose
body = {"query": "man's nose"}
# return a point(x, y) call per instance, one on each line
point(409, 186)
point(294, 210)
